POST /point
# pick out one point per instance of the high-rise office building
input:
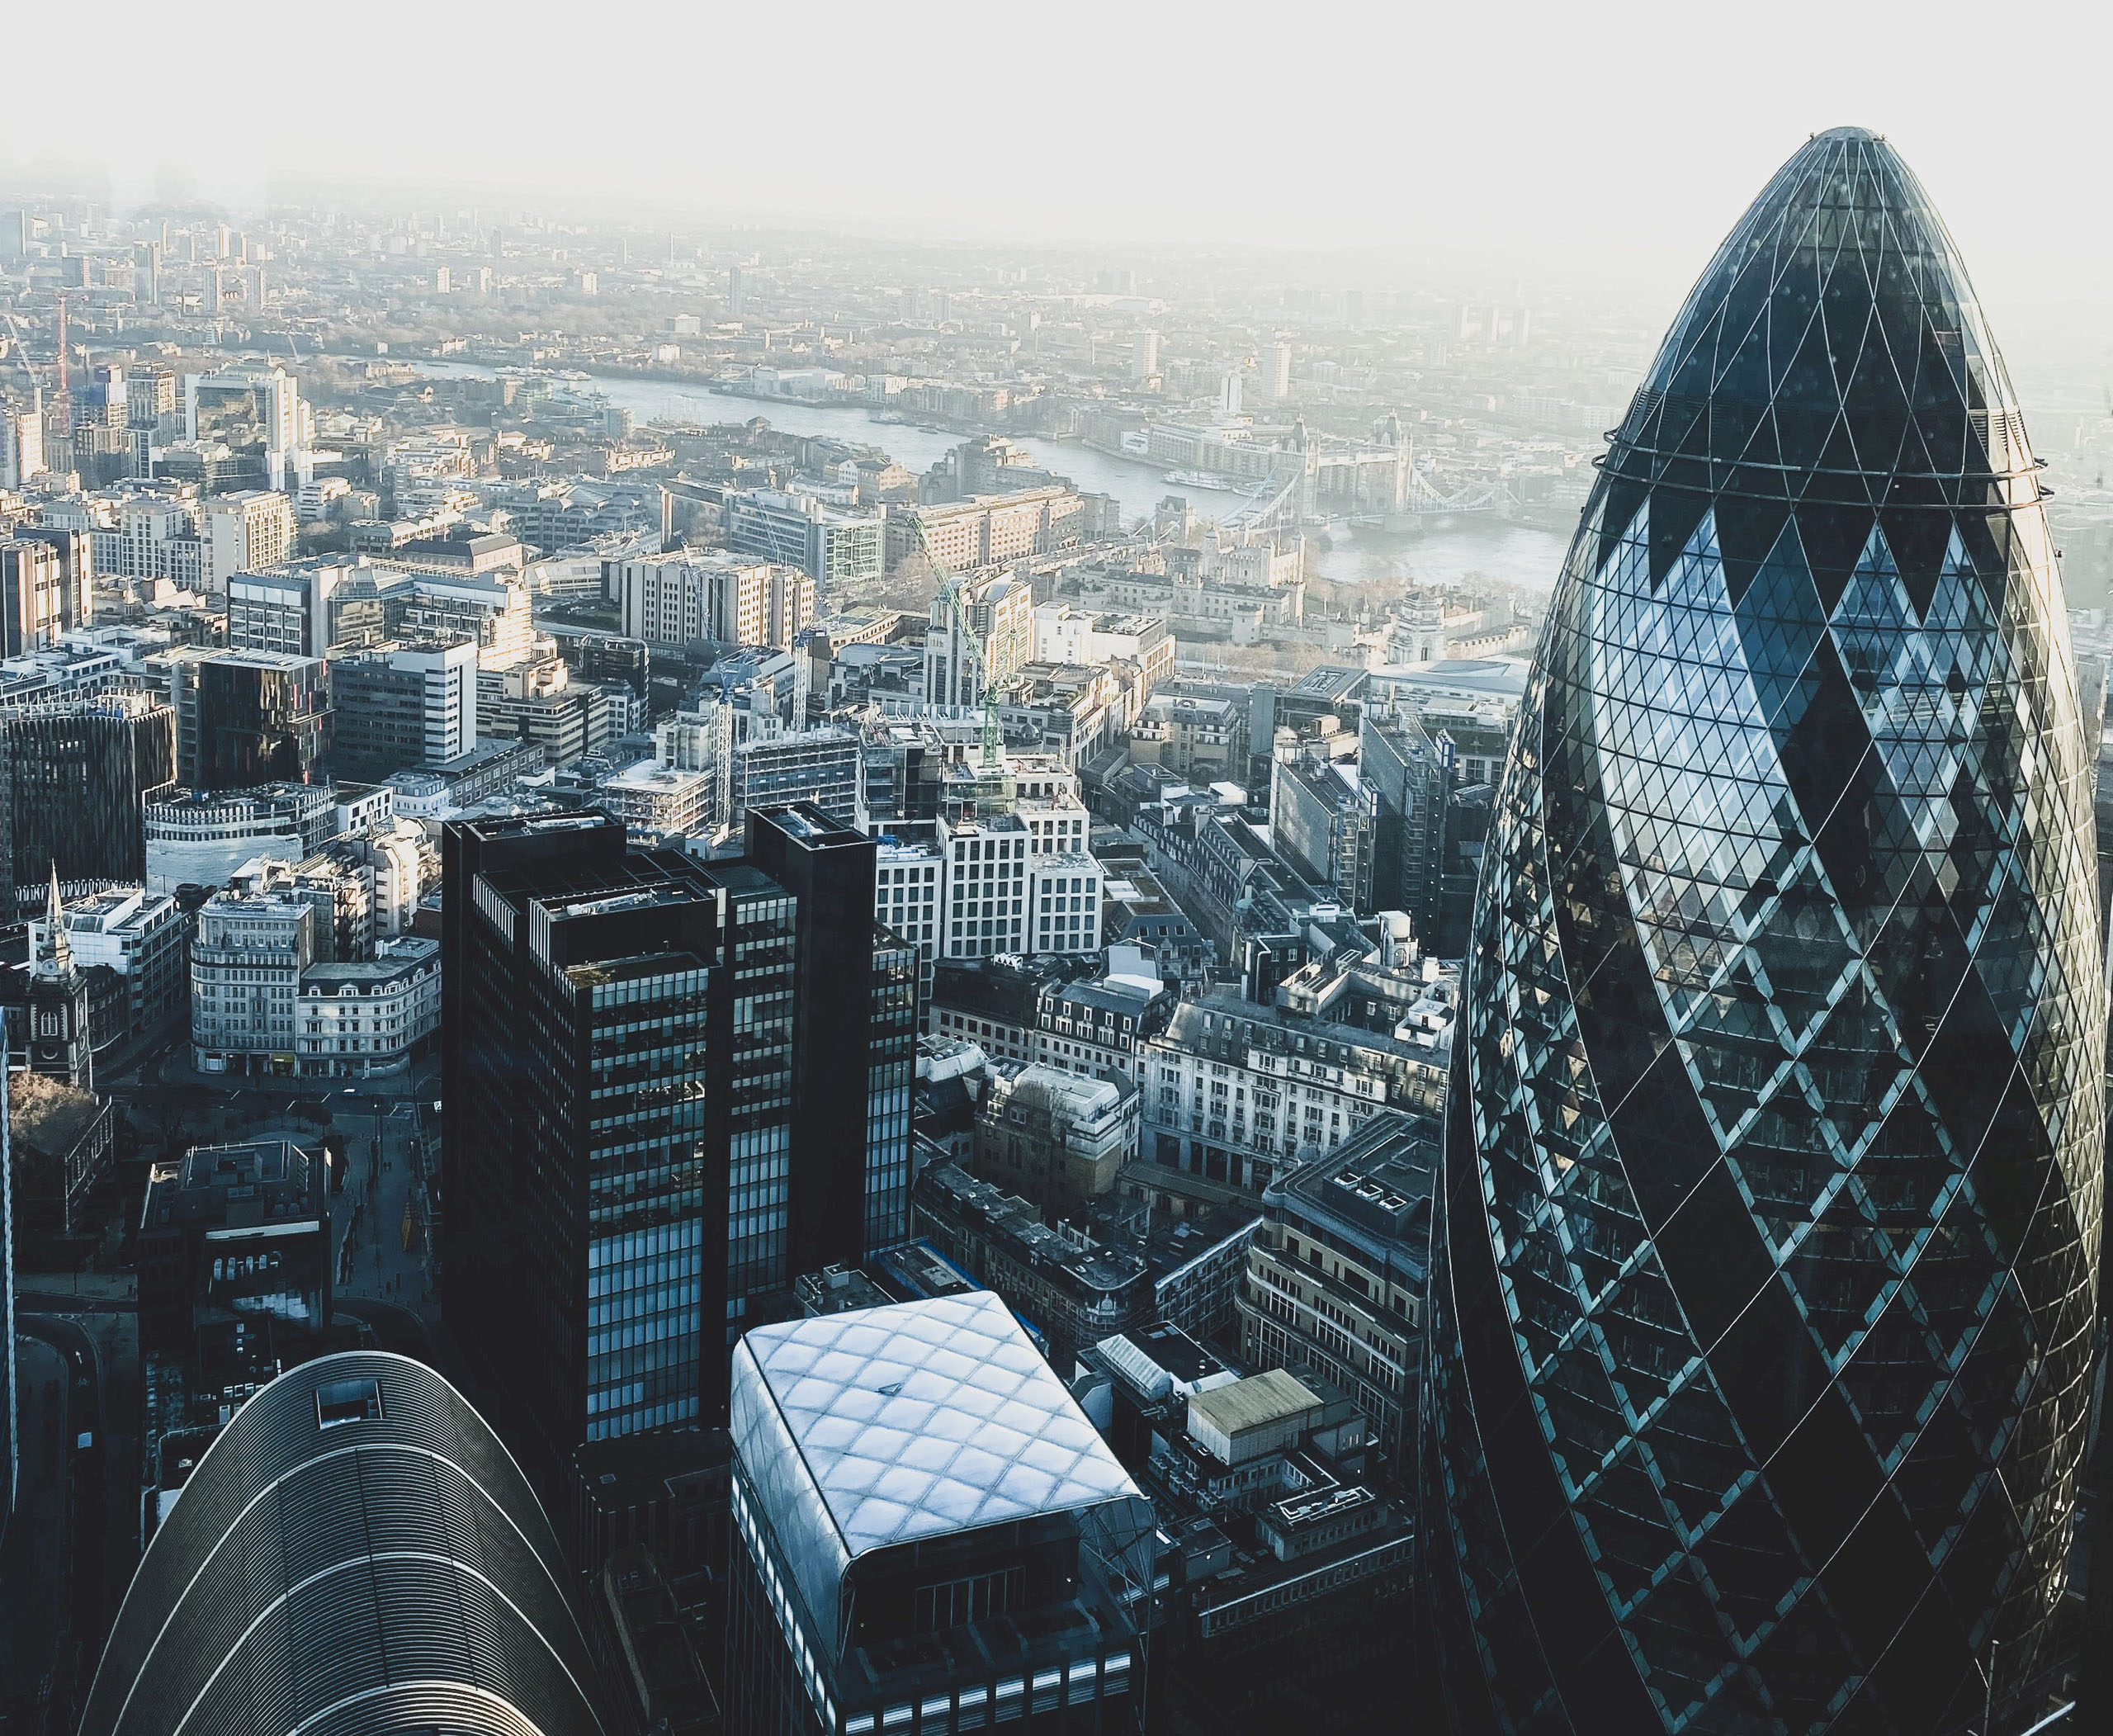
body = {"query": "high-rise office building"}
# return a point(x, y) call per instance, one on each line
point(927, 1533)
point(76, 777)
point(413, 1582)
point(245, 718)
point(854, 1014)
point(620, 1067)
point(399, 707)
point(10, 1407)
point(254, 411)
point(1763, 1294)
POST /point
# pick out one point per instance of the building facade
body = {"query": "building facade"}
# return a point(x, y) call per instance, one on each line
point(629, 1150)
point(1763, 1280)
point(246, 961)
point(246, 718)
point(402, 707)
point(834, 547)
point(77, 776)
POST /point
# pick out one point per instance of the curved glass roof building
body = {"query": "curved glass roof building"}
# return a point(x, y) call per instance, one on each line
point(1763, 1288)
point(355, 1552)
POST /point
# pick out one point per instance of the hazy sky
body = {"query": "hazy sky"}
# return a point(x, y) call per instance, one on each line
point(1622, 128)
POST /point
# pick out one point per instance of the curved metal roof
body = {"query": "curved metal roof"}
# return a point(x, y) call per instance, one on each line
point(356, 1552)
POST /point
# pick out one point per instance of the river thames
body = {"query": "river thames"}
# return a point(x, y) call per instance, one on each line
point(1492, 549)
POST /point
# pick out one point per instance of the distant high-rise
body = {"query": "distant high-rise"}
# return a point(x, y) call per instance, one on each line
point(1763, 1289)
point(74, 778)
point(45, 589)
point(245, 718)
point(355, 1551)
point(630, 1120)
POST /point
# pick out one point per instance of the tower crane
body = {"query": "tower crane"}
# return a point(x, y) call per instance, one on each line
point(994, 735)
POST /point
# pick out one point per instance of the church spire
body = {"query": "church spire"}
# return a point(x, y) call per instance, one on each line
point(55, 952)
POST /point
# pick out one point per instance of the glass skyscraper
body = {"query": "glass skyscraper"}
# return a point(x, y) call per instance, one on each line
point(653, 1120)
point(1763, 1286)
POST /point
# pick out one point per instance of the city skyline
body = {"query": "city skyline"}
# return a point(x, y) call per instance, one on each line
point(1071, 866)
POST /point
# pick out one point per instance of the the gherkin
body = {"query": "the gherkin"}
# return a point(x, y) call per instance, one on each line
point(1764, 1279)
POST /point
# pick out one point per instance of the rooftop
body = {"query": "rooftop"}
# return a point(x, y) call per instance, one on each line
point(1255, 1402)
point(866, 1430)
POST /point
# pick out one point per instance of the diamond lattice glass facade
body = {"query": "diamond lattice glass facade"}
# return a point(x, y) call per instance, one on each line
point(1763, 1289)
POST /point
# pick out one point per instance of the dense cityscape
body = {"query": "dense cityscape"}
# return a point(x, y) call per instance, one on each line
point(759, 980)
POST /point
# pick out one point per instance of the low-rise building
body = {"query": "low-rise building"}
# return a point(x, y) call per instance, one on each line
point(142, 937)
point(1238, 1092)
point(1060, 1139)
point(235, 1232)
point(366, 1017)
point(1335, 1278)
point(1077, 1285)
point(201, 838)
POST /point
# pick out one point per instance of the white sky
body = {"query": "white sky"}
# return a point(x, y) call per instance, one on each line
point(1599, 127)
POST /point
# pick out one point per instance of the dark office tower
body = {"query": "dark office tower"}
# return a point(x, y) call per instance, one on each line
point(76, 776)
point(1411, 775)
point(1762, 1298)
point(10, 1411)
point(856, 1012)
point(355, 1552)
point(260, 717)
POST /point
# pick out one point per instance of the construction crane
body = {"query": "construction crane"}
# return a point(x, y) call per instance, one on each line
point(994, 735)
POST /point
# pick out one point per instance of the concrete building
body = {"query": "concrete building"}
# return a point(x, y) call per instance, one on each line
point(402, 708)
point(1237, 1092)
point(143, 937)
point(1056, 1138)
point(201, 838)
point(243, 531)
point(658, 802)
point(236, 1231)
point(539, 702)
point(246, 961)
point(689, 597)
point(1076, 1288)
point(834, 547)
point(46, 589)
point(1335, 1278)
point(366, 1017)
point(285, 608)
